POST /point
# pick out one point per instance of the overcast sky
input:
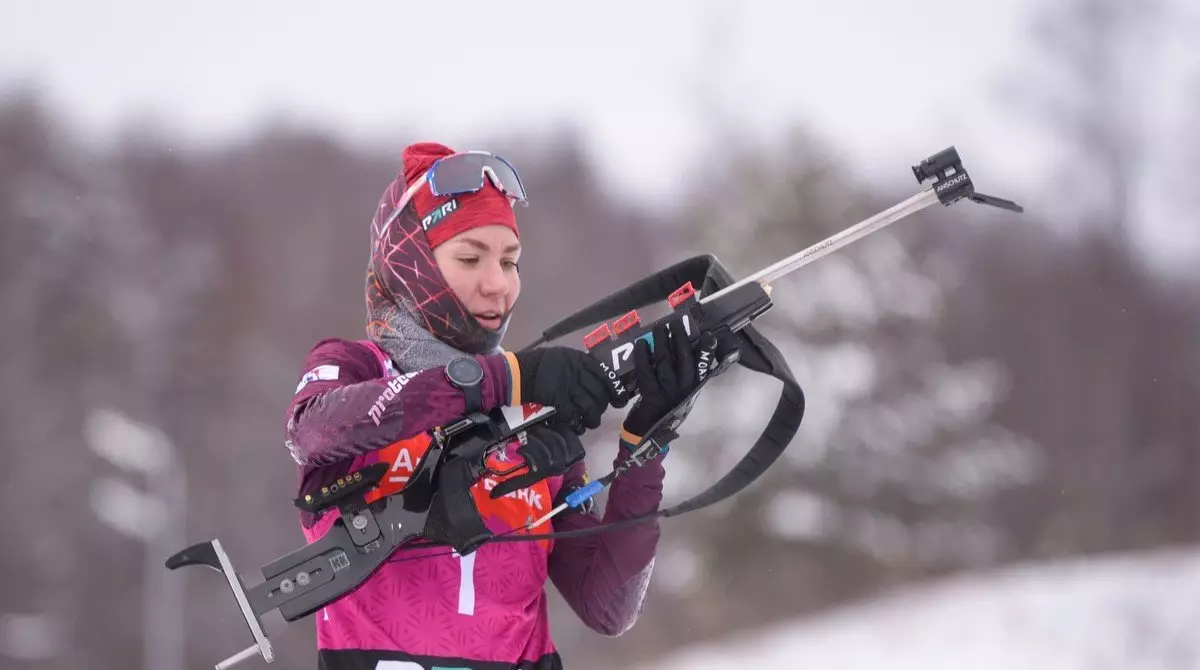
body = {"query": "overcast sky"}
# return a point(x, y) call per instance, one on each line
point(891, 82)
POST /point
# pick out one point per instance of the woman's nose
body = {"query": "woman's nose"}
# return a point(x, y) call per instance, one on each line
point(492, 281)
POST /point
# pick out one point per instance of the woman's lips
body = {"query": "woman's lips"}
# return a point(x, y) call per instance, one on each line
point(489, 322)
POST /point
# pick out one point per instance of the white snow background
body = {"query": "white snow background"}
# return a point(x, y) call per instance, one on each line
point(1128, 612)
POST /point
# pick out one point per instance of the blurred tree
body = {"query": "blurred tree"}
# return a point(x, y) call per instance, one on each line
point(1101, 330)
point(1114, 417)
point(1089, 90)
point(59, 347)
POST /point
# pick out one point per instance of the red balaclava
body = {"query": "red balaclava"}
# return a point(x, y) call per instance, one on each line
point(404, 285)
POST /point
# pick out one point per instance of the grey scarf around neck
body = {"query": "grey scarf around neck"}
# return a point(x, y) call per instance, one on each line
point(411, 346)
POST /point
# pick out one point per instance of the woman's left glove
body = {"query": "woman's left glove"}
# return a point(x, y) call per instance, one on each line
point(549, 450)
point(665, 376)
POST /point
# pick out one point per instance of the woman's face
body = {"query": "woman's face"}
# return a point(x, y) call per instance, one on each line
point(480, 266)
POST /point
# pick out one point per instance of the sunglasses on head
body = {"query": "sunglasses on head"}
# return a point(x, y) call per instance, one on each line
point(464, 173)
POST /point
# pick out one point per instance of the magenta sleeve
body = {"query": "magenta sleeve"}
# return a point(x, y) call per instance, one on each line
point(346, 406)
point(604, 576)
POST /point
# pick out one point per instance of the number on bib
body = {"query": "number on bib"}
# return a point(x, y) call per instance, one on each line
point(466, 583)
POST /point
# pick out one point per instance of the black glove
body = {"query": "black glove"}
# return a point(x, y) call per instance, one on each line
point(570, 381)
point(665, 377)
point(548, 451)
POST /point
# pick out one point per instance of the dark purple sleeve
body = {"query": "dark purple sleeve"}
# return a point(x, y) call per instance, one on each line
point(604, 576)
point(345, 406)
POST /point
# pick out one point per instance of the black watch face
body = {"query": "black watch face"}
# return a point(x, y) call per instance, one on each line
point(465, 371)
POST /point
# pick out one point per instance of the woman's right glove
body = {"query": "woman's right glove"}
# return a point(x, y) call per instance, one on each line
point(570, 381)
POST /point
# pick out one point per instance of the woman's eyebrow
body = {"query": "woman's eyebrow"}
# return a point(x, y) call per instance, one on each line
point(482, 246)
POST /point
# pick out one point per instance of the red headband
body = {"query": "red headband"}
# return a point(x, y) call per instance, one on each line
point(485, 207)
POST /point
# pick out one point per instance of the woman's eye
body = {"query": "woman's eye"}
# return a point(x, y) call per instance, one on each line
point(469, 262)
point(513, 265)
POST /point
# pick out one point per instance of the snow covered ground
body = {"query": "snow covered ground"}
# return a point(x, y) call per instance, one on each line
point(1129, 612)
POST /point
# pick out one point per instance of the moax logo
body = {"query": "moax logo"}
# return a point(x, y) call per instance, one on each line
point(431, 219)
point(612, 375)
point(393, 389)
point(705, 363)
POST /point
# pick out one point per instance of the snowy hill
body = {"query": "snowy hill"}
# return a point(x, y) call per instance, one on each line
point(1130, 612)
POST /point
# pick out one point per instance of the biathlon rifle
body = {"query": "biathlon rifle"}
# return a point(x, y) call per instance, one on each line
point(435, 508)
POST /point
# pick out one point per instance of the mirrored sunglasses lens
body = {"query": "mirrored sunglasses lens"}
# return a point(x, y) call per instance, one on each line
point(507, 176)
point(464, 173)
point(456, 175)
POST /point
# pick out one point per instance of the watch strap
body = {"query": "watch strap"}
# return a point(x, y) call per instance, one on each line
point(474, 397)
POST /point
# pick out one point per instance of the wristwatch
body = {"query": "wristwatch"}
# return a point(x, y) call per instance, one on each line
point(466, 373)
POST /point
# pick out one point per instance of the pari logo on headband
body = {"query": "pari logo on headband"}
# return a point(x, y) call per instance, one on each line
point(436, 216)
